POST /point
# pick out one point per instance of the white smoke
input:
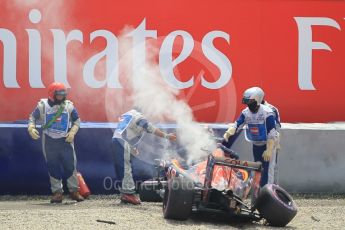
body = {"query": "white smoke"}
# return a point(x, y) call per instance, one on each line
point(26, 2)
point(56, 15)
point(159, 102)
point(148, 90)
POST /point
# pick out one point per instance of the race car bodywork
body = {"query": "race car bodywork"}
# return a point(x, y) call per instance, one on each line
point(220, 184)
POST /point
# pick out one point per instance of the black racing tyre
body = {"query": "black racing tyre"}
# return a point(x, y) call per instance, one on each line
point(275, 205)
point(149, 191)
point(178, 198)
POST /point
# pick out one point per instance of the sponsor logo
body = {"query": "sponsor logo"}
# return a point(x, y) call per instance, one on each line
point(236, 162)
point(167, 62)
point(254, 130)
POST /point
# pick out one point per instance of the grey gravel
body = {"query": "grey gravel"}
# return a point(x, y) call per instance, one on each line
point(107, 212)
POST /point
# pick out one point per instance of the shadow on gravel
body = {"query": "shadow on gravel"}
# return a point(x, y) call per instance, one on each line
point(221, 221)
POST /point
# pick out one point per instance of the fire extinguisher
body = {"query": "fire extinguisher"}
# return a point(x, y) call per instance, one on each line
point(84, 190)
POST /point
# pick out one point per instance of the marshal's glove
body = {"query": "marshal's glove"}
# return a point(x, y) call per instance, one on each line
point(230, 132)
point(171, 136)
point(33, 132)
point(269, 150)
point(70, 135)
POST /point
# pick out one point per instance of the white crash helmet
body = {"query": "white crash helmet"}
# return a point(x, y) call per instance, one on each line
point(253, 94)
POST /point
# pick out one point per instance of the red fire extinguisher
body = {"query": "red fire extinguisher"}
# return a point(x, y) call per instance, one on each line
point(84, 191)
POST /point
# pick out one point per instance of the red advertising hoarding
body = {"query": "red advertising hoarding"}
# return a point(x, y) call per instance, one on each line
point(211, 51)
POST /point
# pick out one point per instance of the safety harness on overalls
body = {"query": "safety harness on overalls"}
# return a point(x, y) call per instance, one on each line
point(55, 117)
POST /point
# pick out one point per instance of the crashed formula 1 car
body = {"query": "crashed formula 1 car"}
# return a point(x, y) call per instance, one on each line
point(221, 184)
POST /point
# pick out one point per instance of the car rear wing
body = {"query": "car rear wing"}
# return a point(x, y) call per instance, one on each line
point(249, 165)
